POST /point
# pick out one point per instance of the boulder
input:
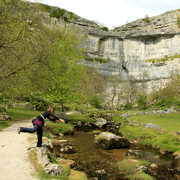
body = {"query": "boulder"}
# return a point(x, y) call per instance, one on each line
point(101, 122)
point(176, 162)
point(54, 169)
point(107, 140)
point(64, 116)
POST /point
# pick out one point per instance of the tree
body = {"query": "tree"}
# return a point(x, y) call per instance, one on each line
point(65, 75)
point(22, 45)
point(130, 90)
point(114, 81)
point(95, 86)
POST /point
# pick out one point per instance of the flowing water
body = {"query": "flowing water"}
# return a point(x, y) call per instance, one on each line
point(91, 159)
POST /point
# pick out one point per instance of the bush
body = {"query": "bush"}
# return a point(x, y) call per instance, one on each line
point(146, 19)
point(127, 106)
point(57, 13)
point(37, 101)
point(95, 102)
point(105, 29)
point(142, 102)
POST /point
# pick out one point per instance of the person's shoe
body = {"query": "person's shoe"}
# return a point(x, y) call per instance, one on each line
point(18, 129)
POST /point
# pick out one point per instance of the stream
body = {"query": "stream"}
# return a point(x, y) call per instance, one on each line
point(92, 159)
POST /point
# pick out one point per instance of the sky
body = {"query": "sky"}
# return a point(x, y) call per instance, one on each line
point(114, 13)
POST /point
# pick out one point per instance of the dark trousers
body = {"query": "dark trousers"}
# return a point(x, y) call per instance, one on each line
point(32, 130)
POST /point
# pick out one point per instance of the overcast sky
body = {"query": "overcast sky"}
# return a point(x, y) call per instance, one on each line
point(114, 13)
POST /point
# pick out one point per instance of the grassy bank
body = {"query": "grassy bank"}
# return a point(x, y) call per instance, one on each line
point(164, 139)
point(170, 122)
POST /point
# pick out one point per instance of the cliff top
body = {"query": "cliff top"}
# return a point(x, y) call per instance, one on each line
point(165, 23)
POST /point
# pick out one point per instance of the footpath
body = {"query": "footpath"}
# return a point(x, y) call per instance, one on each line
point(14, 159)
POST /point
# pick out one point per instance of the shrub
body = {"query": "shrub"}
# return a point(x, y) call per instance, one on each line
point(95, 102)
point(146, 19)
point(57, 13)
point(105, 29)
point(37, 101)
point(142, 102)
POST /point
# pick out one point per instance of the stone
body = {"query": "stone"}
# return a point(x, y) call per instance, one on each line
point(101, 122)
point(57, 143)
point(142, 169)
point(100, 174)
point(152, 126)
point(47, 143)
point(133, 153)
point(153, 166)
point(42, 156)
point(63, 115)
point(176, 162)
point(107, 140)
point(54, 169)
point(66, 161)
point(67, 149)
point(4, 116)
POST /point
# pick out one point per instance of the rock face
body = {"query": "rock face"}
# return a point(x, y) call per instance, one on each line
point(108, 140)
point(129, 48)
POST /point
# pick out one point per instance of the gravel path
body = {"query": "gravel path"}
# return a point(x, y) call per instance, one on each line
point(14, 160)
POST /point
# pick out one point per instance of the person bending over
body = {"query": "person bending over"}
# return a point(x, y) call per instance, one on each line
point(38, 124)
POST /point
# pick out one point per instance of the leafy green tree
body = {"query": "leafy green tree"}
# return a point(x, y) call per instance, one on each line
point(21, 31)
point(24, 47)
point(65, 75)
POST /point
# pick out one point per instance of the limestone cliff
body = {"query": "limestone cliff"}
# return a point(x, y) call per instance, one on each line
point(132, 50)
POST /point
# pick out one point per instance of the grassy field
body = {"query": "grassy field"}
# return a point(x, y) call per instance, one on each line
point(170, 122)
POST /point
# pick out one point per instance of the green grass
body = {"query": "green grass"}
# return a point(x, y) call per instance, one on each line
point(21, 113)
point(166, 140)
point(74, 118)
point(17, 114)
point(139, 175)
point(129, 167)
point(56, 128)
point(166, 58)
point(170, 122)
